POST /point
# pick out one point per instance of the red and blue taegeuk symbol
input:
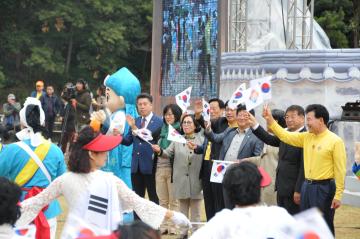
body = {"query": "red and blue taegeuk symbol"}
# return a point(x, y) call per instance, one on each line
point(85, 232)
point(309, 235)
point(238, 95)
point(220, 168)
point(265, 87)
point(21, 232)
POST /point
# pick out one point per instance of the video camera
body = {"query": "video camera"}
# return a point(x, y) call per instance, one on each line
point(69, 92)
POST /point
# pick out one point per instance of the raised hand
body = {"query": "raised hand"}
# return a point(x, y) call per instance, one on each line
point(251, 119)
point(198, 108)
point(208, 125)
point(267, 114)
point(131, 121)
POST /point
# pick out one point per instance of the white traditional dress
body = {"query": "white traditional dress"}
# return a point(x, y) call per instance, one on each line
point(256, 222)
point(73, 186)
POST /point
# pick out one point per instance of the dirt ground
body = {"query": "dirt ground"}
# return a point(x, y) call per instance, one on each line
point(347, 222)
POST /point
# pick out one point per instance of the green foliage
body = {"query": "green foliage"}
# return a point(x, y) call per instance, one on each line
point(2, 77)
point(336, 17)
point(46, 59)
point(63, 40)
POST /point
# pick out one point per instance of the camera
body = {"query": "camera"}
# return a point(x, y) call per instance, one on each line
point(69, 92)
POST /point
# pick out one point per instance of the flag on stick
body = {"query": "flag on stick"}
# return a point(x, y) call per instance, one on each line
point(265, 86)
point(218, 170)
point(173, 135)
point(144, 134)
point(183, 99)
point(237, 97)
point(253, 97)
point(206, 110)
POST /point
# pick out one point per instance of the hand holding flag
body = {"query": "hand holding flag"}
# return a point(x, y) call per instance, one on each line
point(131, 121)
point(144, 134)
point(183, 99)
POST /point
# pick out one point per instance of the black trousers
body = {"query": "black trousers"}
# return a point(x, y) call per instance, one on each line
point(142, 182)
point(49, 125)
point(287, 202)
point(213, 196)
point(319, 195)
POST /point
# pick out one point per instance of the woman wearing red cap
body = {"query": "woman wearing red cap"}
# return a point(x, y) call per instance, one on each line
point(96, 197)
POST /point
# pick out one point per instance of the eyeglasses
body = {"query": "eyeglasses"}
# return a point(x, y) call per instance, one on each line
point(187, 122)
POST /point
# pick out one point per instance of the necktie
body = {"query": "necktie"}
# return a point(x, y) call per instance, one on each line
point(143, 121)
point(208, 151)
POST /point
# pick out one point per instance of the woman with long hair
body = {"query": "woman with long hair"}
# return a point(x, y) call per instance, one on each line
point(164, 167)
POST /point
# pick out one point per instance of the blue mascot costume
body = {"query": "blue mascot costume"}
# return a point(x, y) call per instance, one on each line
point(122, 88)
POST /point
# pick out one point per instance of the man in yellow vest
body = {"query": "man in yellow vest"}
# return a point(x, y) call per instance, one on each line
point(324, 161)
point(33, 163)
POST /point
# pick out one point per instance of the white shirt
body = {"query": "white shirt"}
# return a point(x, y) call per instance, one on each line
point(255, 222)
point(147, 118)
point(74, 185)
point(233, 150)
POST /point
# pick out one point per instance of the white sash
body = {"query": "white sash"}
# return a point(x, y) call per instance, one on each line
point(33, 155)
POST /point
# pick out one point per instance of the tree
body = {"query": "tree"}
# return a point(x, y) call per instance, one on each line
point(335, 17)
point(60, 41)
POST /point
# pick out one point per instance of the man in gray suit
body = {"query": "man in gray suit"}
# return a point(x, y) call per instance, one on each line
point(237, 143)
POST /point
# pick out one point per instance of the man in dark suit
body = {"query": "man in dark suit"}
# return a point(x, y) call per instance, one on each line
point(290, 169)
point(143, 163)
point(213, 198)
point(237, 143)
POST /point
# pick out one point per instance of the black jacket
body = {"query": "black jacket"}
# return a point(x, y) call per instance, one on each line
point(83, 99)
point(51, 105)
point(290, 169)
point(218, 126)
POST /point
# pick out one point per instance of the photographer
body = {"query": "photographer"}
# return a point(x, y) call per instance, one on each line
point(68, 116)
point(81, 103)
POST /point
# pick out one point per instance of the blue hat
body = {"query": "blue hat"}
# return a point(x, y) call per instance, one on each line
point(125, 84)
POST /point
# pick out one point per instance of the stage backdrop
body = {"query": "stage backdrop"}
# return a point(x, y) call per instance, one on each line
point(186, 48)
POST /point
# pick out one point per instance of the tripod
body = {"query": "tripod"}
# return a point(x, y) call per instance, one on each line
point(63, 128)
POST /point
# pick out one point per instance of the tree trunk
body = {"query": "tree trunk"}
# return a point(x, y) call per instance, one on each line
point(70, 48)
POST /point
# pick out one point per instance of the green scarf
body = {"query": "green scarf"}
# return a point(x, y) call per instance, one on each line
point(164, 142)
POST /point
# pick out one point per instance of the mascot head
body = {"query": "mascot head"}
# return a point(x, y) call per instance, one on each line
point(122, 87)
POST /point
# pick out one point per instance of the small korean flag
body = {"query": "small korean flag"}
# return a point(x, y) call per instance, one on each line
point(26, 232)
point(218, 170)
point(183, 99)
point(237, 97)
point(206, 110)
point(173, 135)
point(265, 86)
point(253, 97)
point(144, 134)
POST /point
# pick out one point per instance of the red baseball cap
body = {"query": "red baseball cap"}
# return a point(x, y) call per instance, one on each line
point(266, 179)
point(103, 143)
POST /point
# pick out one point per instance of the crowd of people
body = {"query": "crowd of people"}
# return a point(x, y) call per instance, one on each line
point(72, 106)
point(305, 166)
